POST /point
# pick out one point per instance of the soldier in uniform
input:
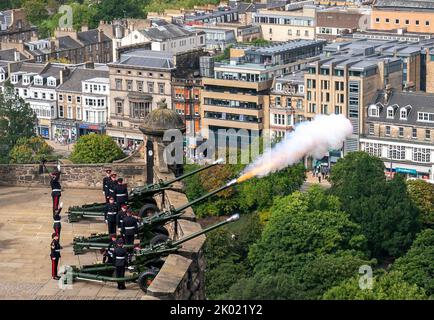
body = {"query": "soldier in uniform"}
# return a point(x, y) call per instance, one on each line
point(120, 218)
point(121, 192)
point(120, 257)
point(56, 189)
point(112, 185)
point(129, 228)
point(105, 184)
point(108, 254)
point(56, 223)
point(55, 256)
point(110, 215)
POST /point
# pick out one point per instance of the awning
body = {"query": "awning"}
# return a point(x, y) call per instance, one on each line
point(406, 170)
point(90, 126)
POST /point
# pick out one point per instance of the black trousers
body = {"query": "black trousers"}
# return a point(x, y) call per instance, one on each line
point(129, 239)
point(56, 199)
point(54, 265)
point(111, 227)
point(120, 273)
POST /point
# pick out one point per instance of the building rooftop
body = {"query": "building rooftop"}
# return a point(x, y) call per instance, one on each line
point(9, 55)
point(146, 59)
point(405, 4)
point(284, 46)
point(73, 83)
point(167, 31)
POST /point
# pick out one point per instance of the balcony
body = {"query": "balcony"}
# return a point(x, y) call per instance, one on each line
point(258, 86)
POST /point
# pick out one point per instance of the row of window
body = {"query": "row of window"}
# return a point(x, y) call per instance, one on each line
point(396, 152)
point(139, 86)
point(406, 21)
point(400, 132)
point(95, 88)
point(140, 73)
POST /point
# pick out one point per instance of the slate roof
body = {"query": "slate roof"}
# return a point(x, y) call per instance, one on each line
point(405, 4)
point(91, 37)
point(73, 83)
point(67, 43)
point(165, 32)
point(419, 102)
point(146, 59)
point(9, 55)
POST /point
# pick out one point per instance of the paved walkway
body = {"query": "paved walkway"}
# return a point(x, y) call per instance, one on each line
point(25, 236)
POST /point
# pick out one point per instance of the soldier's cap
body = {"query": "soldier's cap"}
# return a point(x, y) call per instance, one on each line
point(120, 179)
point(113, 235)
point(108, 170)
point(113, 175)
point(124, 206)
point(120, 242)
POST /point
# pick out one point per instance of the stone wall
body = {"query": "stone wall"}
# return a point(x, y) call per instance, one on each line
point(73, 175)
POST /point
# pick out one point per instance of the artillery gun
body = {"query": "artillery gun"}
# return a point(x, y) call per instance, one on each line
point(145, 263)
point(151, 228)
point(140, 198)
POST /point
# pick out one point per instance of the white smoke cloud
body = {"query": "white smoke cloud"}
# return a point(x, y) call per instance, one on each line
point(310, 138)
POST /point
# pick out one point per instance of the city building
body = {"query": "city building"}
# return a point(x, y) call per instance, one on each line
point(286, 103)
point(412, 15)
point(235, 93)
point(83, 103)
point(223, 14)
point(399, 129)
point(217, 38)
point(335, 21)
point(296, 22)
point(15, 27)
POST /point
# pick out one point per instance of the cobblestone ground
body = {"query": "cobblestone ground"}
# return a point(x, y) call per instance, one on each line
point(25, 236)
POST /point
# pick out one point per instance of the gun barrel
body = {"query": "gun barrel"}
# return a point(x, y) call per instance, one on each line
point(232, 218)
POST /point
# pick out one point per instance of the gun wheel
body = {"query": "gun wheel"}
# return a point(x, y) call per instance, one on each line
point(146, 278)
point(159, 238)
point(160, 230)
point(148, 209)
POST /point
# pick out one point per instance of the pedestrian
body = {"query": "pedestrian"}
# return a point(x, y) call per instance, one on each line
point(120, 257)
point(110, 215)
point(121, 193)
point(55, 256)
point(129, 228)
point(57, 227)
point(105, 184)
point(319, 178)
point(56, 189)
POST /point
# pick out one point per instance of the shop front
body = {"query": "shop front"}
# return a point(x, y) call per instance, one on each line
point(43, 128)
point(87, 128)
point(64, 131)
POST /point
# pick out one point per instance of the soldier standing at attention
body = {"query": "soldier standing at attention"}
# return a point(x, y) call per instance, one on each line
point(108, 254)
point(121, 192)
point(105, 184)
point(56, 223)
point(56, 189)
point(120, 218)
point(130, 228)
point(120, 257)
point(112, 185)
point(55, 256)
point(110, 215)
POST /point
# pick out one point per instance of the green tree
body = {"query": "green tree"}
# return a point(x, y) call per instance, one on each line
point(10, 4)
point(387, 216)
point(17, 120)
point(30, 150)
point(95, 148)
point(36, 11)
point(108, 10)
point(417, 266)
point(391, 286)
point(422, 194)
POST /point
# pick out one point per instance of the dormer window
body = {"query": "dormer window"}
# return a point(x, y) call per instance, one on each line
point(278, 87)
point(2, 76)
point(52, 82)
point(390, 113)
point(26, 80)
point(301, 89)
point(373, 111)
point(39, 81)
point(403, 114)
point(15, 78)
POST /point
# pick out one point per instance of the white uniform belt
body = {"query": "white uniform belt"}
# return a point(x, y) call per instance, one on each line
point(57, 250)
point(128, 228)
point(57, 190)
point(121, 195)
point(111, 190)
point(111, 212)
point(120, 258)
point(56, 221)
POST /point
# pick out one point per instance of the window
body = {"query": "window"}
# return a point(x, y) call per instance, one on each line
point(129, 85)
point(421, 155)
point(78, 99)
point(390, 112)
point(427, 23)
point(387, 20)
point(290, 32)
point(279, 119)
point(277, 101)
point(414, 133)
point(61, 112)
point(401, 131)
point(298, 33)
point(69, 113)
point(387, 130)
point(396, 152)
point(118, 84)
point(44, 95)
point(120, 124)
point(35, 95)
point(407, 22)
point(140, 86)
point(425, 117)
point(428, 134)
point(52, 96)
point(371, 128)
point(397, 21)
point(403, 114)
point(374, 149)
point(306, 33)
point(140, 109)
point(417, 22)
point(338, 109)
point(161, 88)
point(377, 20)
point(373, 111)
point(69, 98)
point(119, 107)
point(150, 87)
point(78, 113)
point(60, 97)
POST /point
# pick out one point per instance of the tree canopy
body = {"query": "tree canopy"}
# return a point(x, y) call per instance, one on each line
point(391, 286)
point(95, 148)
point(30, 150)
point(422, 194)
point(417, 266)
point(384, 210)
point(17, 120)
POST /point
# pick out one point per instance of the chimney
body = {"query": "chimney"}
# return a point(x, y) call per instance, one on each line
point(17, 56)
point(100, 34)
point(84, 28)
point(64, 74)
